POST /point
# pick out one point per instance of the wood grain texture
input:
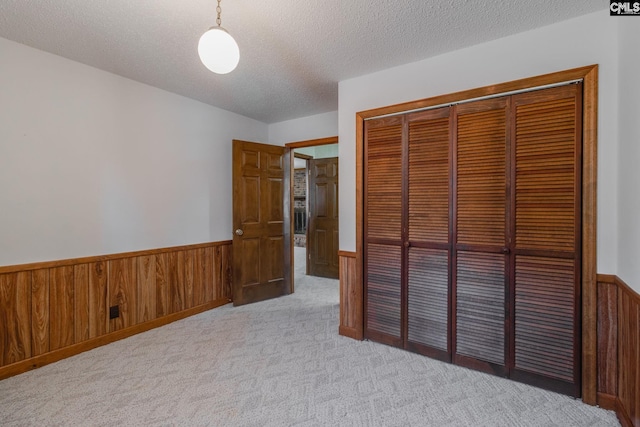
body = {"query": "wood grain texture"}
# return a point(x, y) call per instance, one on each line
point(259, 251)
point(162, 285)
point(429, 175)
point(486, 91)
point(222, 267)
point(589, 231)
point(589, 76)
point(312, 142)
point(383, 179)
point(629, 352)
point(618, 349)
point(81, 302)
point(202, 276)
point(383, 290)
point(39, 312)
point(480, 314)
point(546, 167)
point(54, 356)
point(350, 297)
point(61, 307)
point(146, 288)
point(428, 287)
point(15, 317)
point(607, 338)
point(188, 265)
point(480, 170)
point(123, 292)
point(98, 297)
point(176, 281)
point(545, 317)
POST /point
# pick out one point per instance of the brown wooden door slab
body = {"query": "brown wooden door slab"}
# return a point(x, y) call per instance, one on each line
point(547, 268)
point(323, 244)
point(383, 249)
point(429, 249)
point(480, 230)
point(260, 222)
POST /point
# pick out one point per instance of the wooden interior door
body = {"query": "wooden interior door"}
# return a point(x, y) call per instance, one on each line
point(261, 239)
point(547, 223)
point(472, 234)
point(428, 243)
point(480, 258)
point(322, 235)
point(383, 230)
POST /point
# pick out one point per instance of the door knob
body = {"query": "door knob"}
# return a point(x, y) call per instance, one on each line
point(239, 232)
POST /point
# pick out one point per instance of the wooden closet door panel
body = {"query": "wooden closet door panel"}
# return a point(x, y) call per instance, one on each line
point(383, 319)
point(480, 307)
point(383, 179)
point(429, 136)
point(428, 306)
point(481, 173)
point(383, 210)
point(545, 310)
point(547, 244)
point(481, 222)
point(547, 170)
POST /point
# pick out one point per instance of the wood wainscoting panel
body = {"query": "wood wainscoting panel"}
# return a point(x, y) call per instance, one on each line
point(607, 338)
point(176, 281)
point(351, 321)
point(202, 276)
point(162, 285)
point(81, 302)
point(98, 291)
point(188, 262)
point(123, 292)
point(61, 307)
point(222, 268)
point(15, 313)
point(39, 312)
point(618, 343)
point(52, 310)
point(146, 288)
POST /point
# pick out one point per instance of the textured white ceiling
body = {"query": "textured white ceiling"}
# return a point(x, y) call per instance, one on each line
point(292, 53)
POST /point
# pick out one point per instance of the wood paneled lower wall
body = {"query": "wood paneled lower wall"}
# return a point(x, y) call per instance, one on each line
point(619, 349)
point(53, 310)
point(350, 297)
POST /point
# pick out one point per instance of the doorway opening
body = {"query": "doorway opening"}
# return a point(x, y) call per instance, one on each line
point(314, 208)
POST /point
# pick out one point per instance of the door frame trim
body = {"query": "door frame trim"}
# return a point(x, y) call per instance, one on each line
point(589, 77)
point(290, 146)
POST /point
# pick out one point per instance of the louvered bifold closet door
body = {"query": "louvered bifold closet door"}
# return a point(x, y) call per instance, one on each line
point(547, 237)
point(480, 258)
point(383, 207)
point(428, 239)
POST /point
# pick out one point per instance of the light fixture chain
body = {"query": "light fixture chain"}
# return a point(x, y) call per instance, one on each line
point(219, 10)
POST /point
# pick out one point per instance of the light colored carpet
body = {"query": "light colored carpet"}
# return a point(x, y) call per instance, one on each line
point(275, 363)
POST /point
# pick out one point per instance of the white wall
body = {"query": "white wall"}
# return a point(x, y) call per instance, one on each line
point(629, 155)
point(312, 127)
point(590, 39)
point(92, 163)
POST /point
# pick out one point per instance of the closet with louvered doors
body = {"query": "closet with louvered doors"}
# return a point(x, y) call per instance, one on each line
point(472, 234)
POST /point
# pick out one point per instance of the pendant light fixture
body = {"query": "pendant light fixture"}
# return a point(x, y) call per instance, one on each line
point(217, 49)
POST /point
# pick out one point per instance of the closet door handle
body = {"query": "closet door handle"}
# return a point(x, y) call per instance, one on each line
point(506, 251)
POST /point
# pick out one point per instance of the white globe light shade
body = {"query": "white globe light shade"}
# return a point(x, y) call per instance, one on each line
point(218, 51)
